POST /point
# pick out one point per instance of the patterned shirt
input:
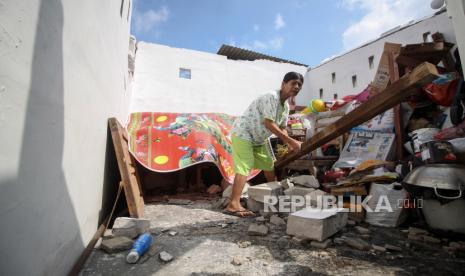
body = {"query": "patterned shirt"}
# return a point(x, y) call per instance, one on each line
point(251, 125)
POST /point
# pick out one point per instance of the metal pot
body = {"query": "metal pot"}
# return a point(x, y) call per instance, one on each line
point(441, 187)
point(446, 180)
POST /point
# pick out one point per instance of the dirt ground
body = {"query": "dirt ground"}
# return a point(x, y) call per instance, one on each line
point(208, 242)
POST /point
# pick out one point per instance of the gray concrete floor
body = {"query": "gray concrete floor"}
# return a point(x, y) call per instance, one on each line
point(208, 241)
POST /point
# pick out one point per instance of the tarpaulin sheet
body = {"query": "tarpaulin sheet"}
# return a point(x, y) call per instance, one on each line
point(166, 142)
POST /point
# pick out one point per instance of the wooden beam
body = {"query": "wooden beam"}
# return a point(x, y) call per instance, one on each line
point(378, 103)
point(131, 186)
point(398, 124)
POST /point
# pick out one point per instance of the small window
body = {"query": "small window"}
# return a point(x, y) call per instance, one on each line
point(335, 96)
point(370, 62)
point(185, 73)
point(426, 37)
point(333, 77)
point(321, 93)
point(354, 81)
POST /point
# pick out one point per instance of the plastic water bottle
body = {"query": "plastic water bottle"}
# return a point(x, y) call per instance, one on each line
point(140, 246)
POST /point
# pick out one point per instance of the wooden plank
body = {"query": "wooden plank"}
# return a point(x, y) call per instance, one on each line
point(130, 183)
point(398, 124)
point(378, 103)
point(408, 61)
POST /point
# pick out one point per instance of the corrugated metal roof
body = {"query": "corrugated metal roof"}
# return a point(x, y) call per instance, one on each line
point(236, 53)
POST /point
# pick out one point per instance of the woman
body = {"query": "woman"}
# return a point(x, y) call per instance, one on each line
point(265, 116)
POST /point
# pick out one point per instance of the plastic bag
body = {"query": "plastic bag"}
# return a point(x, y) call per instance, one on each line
point(386, 204)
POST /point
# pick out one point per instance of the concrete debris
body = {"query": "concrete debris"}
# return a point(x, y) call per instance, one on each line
point(260, 219)
point(254, 205)
point(415, 237)
point(316, 224)
point(357, 243)
point(108, 234)
point(431, 239)
point(321, 245)
point(223, 225)
point(116, 244)
point(98, 243)
point(228, 191)
point(339, 241)
point(237, 261)
point(244, 244)
point(450, 249)
point(378, 248)
point(283, 242)
point(362, 230)
point(459, 245)
point(165, 256)
point(298, 191)
point(172, 233)
point(258, 192)
point(306, 180)
point(176, 201)
point(351, 222)
point(276, 220)
point(298, 240)
point(365, 236)
point(315, 196)
point(287, 184)
point(257, 230)
point(417, 231)
point(391, 247)
point(130, 227)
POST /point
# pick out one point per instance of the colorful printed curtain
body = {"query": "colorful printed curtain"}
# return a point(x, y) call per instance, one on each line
point(165, 142)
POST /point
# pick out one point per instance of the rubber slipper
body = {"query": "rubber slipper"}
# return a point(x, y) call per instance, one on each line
point(240, 214)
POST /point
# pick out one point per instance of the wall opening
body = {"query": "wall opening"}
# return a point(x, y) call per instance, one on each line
point(333, 77)
point(184, 73)
point(370, 62)
point(426, 37)
point(354, 81)
point(321, 93)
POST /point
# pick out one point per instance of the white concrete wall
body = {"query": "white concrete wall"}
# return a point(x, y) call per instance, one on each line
point(63, 66)
point(216, 85)
point(456, 11)
point(355, 62)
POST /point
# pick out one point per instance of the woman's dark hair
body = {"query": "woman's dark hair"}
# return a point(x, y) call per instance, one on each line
point(293, 76)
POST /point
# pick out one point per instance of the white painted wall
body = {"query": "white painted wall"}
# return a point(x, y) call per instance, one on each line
point(355, 62)
point(456, 11)
point(63, 66)
point(216, 85)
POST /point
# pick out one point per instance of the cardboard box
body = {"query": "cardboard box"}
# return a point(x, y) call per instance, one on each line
point(382, 76)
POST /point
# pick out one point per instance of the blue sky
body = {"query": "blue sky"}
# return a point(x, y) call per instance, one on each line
point(306, 31)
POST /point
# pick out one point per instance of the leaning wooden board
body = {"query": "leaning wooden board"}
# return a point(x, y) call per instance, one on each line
point(126, 166)
point(378, 103)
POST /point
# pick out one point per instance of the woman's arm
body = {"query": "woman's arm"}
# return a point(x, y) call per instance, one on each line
point(283, 135)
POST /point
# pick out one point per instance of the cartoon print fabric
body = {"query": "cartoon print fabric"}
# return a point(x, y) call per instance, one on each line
point(165, 142)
